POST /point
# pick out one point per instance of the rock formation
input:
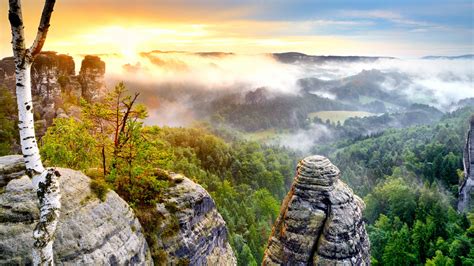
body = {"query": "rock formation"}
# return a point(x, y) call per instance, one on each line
point(320, 222)
point(54, 81)
point(11, 167)
point(91, 77)
point(56, 89)
point(466, 191)
point(201, 233)
point(90, 232)
point(48, 70)
point(7, 72)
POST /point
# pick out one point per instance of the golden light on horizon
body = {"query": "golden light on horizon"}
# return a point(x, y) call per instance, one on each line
point(130, 40)
point(121, 27)
point(74, 32)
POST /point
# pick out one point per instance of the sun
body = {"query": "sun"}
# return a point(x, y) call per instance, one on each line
point(129, 40)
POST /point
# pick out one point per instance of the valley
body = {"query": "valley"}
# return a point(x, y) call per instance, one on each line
point(399, 154)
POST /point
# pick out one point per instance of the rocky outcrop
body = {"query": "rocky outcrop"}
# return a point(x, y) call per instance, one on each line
point(198, 233)
point(466, 190)
point(90, 232)
point(91, 77)
point(56, 88)
point(11, 167)
point(54, 81)
point(320, 222)
point(7, 72)
point(48, 69)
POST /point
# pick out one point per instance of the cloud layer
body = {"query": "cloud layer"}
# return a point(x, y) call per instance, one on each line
point(179, 80)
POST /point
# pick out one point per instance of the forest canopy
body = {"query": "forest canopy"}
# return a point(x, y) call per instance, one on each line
point(408, 177)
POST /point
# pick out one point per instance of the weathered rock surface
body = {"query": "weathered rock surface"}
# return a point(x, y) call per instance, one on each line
point(54, 81)
point(47, 71)
point(91, 77)
point(320, 222)
point(7, 72)
point(466, 190)
point(11, 167)
point(201, 237)
point(90, 232)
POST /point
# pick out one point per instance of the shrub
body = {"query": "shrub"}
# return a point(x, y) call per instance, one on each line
point(99, 188)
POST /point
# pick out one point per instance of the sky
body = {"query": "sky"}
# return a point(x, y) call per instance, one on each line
point(401, 28)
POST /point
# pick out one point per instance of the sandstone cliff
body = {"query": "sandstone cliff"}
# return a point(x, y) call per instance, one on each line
point(7, 72)
point(48, 73)
point(91, 77)
point(54, 81)
point(89, 231)
point(56, 88)
point(201, 233)
point(466, 191)
point(320, 222)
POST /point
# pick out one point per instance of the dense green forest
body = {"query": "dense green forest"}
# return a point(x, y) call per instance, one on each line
point(409, 179)
point(268, 111)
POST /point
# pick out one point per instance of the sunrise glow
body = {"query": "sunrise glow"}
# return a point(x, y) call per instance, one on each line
point(126, 29)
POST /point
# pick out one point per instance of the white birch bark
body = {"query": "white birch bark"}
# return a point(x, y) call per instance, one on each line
point(29, 147)
point(49, 198)
point(45, 181)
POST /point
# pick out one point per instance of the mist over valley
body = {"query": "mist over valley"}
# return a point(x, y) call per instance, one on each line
point(272, 96)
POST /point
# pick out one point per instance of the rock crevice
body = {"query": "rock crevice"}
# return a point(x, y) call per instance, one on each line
point(320, 222)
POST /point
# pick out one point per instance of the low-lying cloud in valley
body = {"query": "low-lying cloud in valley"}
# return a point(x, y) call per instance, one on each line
point(208, 71)
point(303, 139)
point(172, 82)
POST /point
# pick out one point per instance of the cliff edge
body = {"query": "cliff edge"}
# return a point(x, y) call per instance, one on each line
point(466, 190)
point(200, 236)
point(187, 228)
point(320, 221)
point(89, 231)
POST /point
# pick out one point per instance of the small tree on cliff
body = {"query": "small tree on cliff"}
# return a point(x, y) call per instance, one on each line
point(45, 181)
point(116, 118)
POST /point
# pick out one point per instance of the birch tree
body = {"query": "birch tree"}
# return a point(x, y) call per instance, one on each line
point(44, 180)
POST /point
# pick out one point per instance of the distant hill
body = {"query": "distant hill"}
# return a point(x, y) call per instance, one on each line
point(294, 57)
point(362, 88)
point(466, 57)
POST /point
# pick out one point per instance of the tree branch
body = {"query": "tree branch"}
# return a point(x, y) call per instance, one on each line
point(18, 40)
point(43, 28)
point(127, 112)
point(117, 121)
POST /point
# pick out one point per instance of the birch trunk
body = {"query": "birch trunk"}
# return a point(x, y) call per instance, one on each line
point(45, 181)
point(29, 147)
